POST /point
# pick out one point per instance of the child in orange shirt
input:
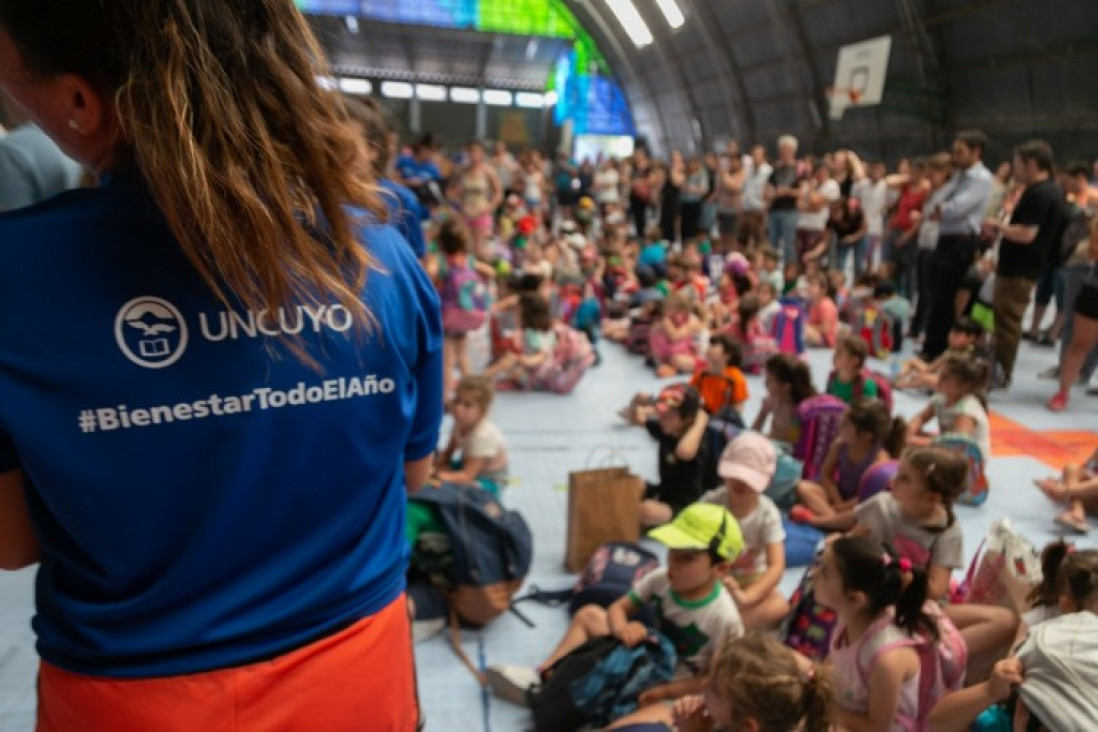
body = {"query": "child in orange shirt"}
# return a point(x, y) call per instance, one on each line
point(720, 382)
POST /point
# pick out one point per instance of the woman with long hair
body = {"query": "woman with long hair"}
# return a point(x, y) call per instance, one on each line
point(220, 374)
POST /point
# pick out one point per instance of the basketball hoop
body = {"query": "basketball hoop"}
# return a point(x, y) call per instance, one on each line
point(859, 75)
point(852, 93)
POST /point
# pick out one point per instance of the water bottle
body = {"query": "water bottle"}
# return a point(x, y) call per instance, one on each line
point(894, 367)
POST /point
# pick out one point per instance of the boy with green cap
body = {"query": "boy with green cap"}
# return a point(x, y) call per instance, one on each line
point(691, 605)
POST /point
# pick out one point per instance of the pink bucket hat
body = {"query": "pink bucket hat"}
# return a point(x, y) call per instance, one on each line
point(750, 458)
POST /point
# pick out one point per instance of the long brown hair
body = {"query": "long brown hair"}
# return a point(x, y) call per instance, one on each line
point(249, 160)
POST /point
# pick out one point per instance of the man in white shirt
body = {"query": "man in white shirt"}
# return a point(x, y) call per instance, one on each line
point(960, 218)
point(872, 195)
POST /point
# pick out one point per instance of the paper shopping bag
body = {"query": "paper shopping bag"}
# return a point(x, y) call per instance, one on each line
point(603, 506)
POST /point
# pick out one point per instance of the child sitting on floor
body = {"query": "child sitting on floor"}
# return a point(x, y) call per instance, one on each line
point(691, 606)
point(959, 406)
point(477, 451)
point(918, 374)
point(755, 683)
point(867, 436)
point(822, 328)
point(747, 466)
point(788, 383)
point(672, 343)
point(679, 427)
point(531, 363)
point(1078, 488)
point(848, 381)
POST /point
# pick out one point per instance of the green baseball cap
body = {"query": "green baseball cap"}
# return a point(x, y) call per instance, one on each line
point(701, 527)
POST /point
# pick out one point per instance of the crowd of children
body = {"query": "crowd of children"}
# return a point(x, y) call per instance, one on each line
point(902, 637)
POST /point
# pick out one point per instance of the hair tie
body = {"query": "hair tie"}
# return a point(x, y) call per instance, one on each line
point(886, 559)
point(905, 565)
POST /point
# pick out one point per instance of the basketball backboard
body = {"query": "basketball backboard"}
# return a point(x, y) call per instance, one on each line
point(860, 75)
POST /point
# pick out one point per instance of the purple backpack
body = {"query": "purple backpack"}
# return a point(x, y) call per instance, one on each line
point(819, 417)
point(876, 479)
point(787, 328)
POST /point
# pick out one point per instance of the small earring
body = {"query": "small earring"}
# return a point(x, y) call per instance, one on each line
point(73, 124)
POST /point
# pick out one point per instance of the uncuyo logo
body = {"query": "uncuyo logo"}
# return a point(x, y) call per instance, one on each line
point(151, 332)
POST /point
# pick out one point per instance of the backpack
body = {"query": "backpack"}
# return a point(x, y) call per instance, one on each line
point(612, 571)
point(884, 386)
point(572, 357)
point(942, 663)
point(466, 298)
point(976, 492)
point(819, 417)
point(599, 682)
point(787, 328)
point(491, 550)
point(875, 327)
point(808, 627)
point(801, 543)
point(876, 479)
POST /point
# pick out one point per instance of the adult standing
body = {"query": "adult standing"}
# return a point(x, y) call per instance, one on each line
point(1084, 329)
point(480, 191)
point(752, 226)
point(872, 195)
point(670, 197)
point(419, 171)
point(730, 182)
point(959, 218)
point(243, 374)
point(695, 189)
point(506, 167)
point(607, 186)
point(783, 193)
point(640, 190)
point(815, 207)
point(1035, 227)
point(903, 225)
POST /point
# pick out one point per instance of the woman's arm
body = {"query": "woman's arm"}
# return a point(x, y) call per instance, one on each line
point(687, 449)
point(886, 679)
point(18, 542)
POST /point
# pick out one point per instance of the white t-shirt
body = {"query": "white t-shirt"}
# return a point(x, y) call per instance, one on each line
point(873, 198)
point(923, 546)
point(817, 220)
point(767, 313)
point(487, 442)
point(760, 528)
point(754, 188)
point(694, 628)
point(968, 406)
point(607, 186)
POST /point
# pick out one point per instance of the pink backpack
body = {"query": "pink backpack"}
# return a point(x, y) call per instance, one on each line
point(819, 417)
point(942, 664)
point(787, 328)
point(572, 357)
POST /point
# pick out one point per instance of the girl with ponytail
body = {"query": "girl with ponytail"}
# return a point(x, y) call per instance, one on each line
point(887, 638)
point(254, 361)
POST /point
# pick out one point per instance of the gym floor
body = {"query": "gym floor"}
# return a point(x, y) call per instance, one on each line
point(548, 436)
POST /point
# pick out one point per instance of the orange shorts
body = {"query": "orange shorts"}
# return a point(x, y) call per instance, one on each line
point(360, 679)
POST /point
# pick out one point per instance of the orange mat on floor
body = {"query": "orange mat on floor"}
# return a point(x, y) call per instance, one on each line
point(1054, 449)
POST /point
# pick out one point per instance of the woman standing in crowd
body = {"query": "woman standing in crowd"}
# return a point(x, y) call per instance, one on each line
point(670, 196)
point(640, 189)
point(481, 193)
point(695, 189)
point(223, 538)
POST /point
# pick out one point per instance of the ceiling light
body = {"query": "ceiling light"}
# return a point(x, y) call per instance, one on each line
point(497, 97)
point(464, 95)
point(635, 27)
point(396, 89)
point(672, 12)
point(327, 83)
point(361, 87)
point(529, 100)
point(352, 24)
point(550, 98)
point(431, 93)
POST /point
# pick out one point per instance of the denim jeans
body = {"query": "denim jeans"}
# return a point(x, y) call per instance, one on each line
point(841, 254)
point(783, 234)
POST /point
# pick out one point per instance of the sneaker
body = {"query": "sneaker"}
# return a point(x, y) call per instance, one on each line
point(1052, 372)
point(512, 682)
point(1027, 336)
point(1058, 402)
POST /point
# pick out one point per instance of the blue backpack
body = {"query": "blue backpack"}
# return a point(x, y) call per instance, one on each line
point(599, 682)
point(787, 328)
point(490, 550)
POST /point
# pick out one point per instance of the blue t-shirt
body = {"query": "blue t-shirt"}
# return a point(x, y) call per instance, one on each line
point(405, 213)
point(412, 170)
point(653, 254)
point(202, 497)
